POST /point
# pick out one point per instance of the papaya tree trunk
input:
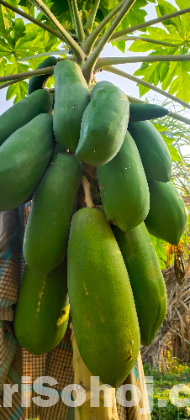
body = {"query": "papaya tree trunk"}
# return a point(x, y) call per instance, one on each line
point(82, 377)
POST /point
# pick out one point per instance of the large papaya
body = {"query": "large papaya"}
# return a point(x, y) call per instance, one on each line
point(154, 153)
point(146, 279)
point(24, 157)
point(104, 124)
point(23, 112)
point(42, 310)
point(102, 305)
point(141, 112)
point(54, 202)
point(168, 214)
point(71, 98)
point(124, 188)
point(38, 82)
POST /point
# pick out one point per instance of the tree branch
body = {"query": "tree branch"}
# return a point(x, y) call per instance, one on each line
point(170, 114)
point(149, 23)
point(33, 20)
point(146, 84)
point(108, 61)
point(91, 62)
point(92, 16)
point(140, 38)
point(77, 50)
point(4, 85)
point(89, 43)
point(78, 23)
point(27, 74)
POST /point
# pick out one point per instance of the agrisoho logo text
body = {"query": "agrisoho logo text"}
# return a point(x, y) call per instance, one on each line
point(81, 395)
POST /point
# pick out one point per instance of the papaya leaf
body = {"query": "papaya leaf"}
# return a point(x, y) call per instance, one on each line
point(120, 45)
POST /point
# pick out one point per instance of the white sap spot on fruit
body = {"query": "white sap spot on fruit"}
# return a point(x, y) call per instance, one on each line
point(86, 291)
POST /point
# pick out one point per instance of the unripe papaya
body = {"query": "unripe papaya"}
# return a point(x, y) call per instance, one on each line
point(23, 112)
point(146, 279)
point(42, 310)
point(142, 112)
point(102, 305)
point(71, 98)
point(153, 151)
point(38, 82)
point(104, 124)
point(54, 202)
point(168, 215)
point(24, 157)
point(124, 188)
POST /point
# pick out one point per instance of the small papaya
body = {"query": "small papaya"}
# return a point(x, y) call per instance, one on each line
point(24, 157)
point(54, 202)
point(102, 305)
point(24, 111)
point(142, 112)
point(153, 151)
point(123, 187)
point(168, 214)
point(104, 124)
point(71, 98)
point(42, 310)
point(146, 279)
point(39, 82)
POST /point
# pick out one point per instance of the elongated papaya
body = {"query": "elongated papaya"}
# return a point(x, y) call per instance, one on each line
point(168, 214)
point(124, 188)
point(23, 112)
point(102, 305)
point(38, 82)
point(154, 153)
point(24, 157)
point(54, 202)
point(104, 124)
point(71, 98)
point(42, 310)
point(141, 112)
point(146, 279)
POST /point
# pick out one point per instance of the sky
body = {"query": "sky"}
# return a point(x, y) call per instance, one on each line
point(127, 86)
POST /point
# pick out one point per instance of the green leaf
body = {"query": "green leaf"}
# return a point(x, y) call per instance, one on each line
point(120, 45)
point(174, 154)
point(135, 16)
point(18, 30)
point(160, 128)
point(2, 26)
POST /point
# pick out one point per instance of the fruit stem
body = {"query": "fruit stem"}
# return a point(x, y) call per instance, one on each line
point(87, 192)
point(114, 70)
point(82, 378)
point(91, 61)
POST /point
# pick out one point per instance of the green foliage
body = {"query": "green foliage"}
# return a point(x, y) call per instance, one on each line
point(175, 374)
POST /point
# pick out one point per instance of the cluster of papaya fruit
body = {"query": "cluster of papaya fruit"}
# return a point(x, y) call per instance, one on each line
point(98, 261)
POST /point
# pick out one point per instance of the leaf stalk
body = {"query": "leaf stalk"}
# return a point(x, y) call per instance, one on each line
point(146, 84)
point(91, 61)
point(108, 61)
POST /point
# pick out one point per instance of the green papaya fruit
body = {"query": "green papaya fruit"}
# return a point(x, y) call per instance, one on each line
point(24, 157)
point(71, 98)
point(54, 202)
point(104, 124)
point(124, 188)
point(38, 82)
point(154, 153)
point(23, 112)
point(146, 279)
point(102, 305)
point(58, 149)
point(42, 310)
point(141, 112)
point(168, 214)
